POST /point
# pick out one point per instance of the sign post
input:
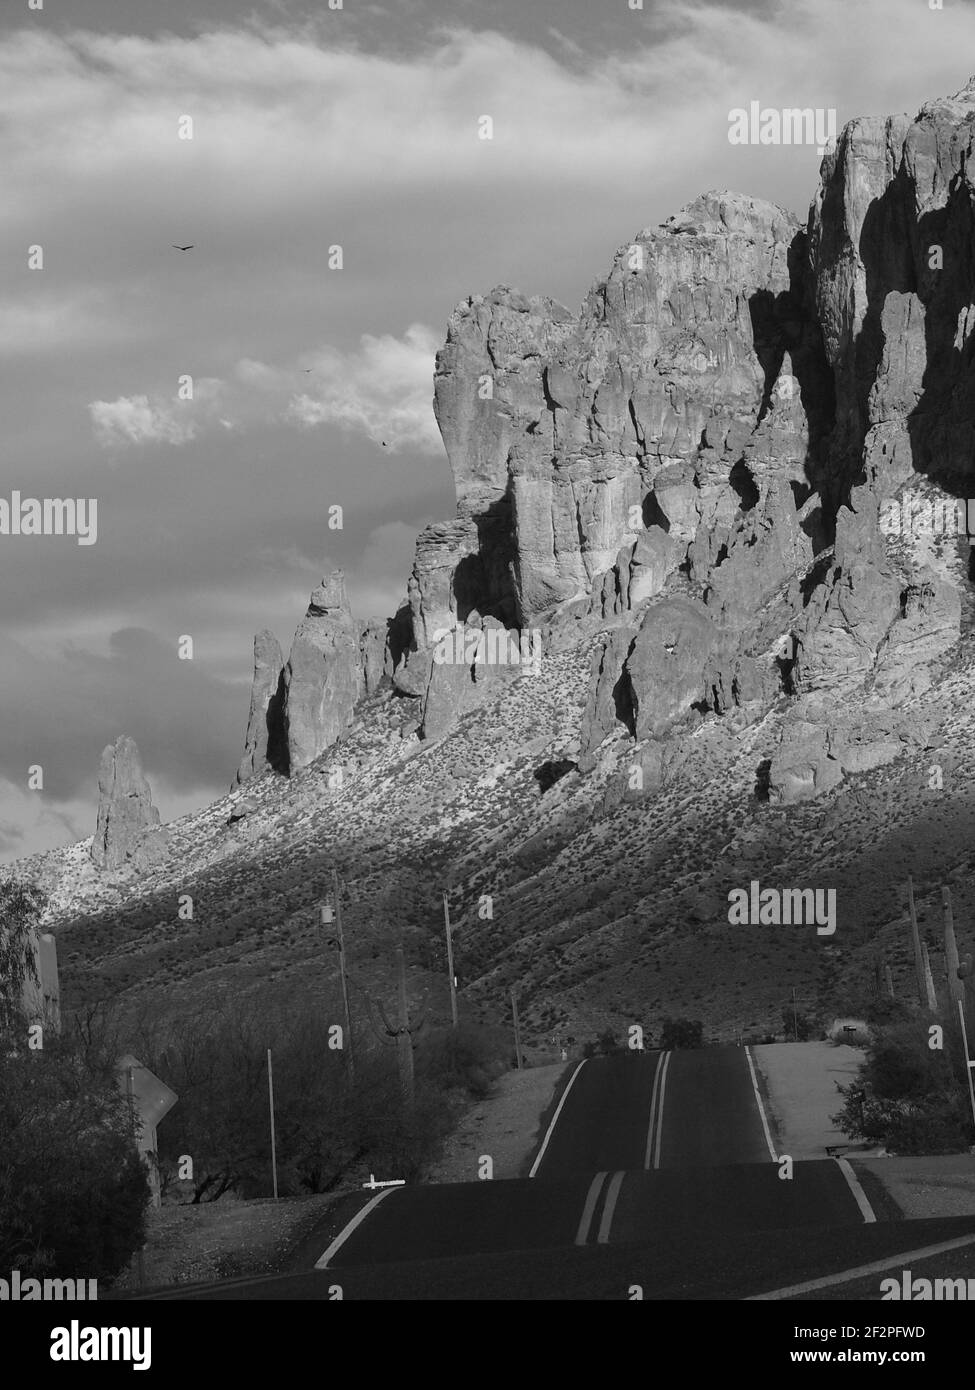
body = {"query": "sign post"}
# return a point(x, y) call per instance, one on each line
point(270, 1101)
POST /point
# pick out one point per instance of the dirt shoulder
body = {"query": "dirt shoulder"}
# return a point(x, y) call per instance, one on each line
point(801, 1081)
point(222, 1240)
point(505, 1126)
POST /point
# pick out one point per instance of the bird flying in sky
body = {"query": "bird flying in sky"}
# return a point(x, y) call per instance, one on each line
point(182, 248)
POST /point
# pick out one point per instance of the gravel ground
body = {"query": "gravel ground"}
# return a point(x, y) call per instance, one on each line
point(942, 1185)
point(505, 1126)
point(218, 1240)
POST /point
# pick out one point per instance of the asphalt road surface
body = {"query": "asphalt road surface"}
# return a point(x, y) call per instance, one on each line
point(656, 1178)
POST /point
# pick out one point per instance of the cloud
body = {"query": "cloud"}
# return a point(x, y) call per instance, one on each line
point(30, 822)
point(55, 321)
point(161, 420)
point(132, 420)
point(384, 389)
point(176, 710)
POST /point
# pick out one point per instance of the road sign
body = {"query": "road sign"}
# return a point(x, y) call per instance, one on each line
point(152, 1099)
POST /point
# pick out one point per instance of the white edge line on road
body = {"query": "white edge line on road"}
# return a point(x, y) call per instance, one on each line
point(648, 1157)
point(859, 1196)
point(761, 1107)
point(592, 1197)
point(847, 1276)
point(609, 1207)
point(558, 1110)
point(357, 1220)
point(660, 1110)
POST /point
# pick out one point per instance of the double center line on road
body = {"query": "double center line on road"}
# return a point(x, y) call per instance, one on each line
point(651, 1159)
point(655, 1131)
point(592, 1202)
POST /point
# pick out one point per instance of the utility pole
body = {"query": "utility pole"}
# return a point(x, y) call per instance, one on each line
point(270, 1101)
point(795, 1014)
point(339, 941)
point(404, 1039)
point(450, 961)
point(916, 938)
point(514, 1015)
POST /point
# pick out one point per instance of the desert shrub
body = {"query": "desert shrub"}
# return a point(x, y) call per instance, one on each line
point(681, 1032)
point(603, 1045)
point(909, 1097)
point(467, 1057)
point(884, 1012)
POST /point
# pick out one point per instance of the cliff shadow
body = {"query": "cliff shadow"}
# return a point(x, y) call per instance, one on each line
point(485, 581)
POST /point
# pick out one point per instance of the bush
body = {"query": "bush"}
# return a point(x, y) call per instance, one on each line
point(73, 1188)
point(681, 1032)
point(908, 1097)
point(463, 1058)
point(605, 1044)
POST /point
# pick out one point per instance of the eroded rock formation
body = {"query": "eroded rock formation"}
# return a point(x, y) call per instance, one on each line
point(265, 740)
point(692, 470)
point(127, 831)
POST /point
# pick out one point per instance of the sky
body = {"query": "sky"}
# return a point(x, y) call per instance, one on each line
point(312, 128)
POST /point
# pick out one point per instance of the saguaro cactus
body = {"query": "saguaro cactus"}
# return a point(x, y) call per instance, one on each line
point(956, 986)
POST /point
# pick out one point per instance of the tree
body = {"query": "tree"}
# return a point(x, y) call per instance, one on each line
point(21, 905)
point(73, 1187)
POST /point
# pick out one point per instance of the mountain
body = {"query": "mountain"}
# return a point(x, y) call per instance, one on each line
point(703, 617)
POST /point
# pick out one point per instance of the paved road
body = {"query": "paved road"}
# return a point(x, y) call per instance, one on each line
point(657, 1171)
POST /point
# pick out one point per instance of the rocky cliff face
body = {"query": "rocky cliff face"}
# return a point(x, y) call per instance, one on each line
point(265, 742)
point(323, 678)
point(127, 830)
point(691, 471)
